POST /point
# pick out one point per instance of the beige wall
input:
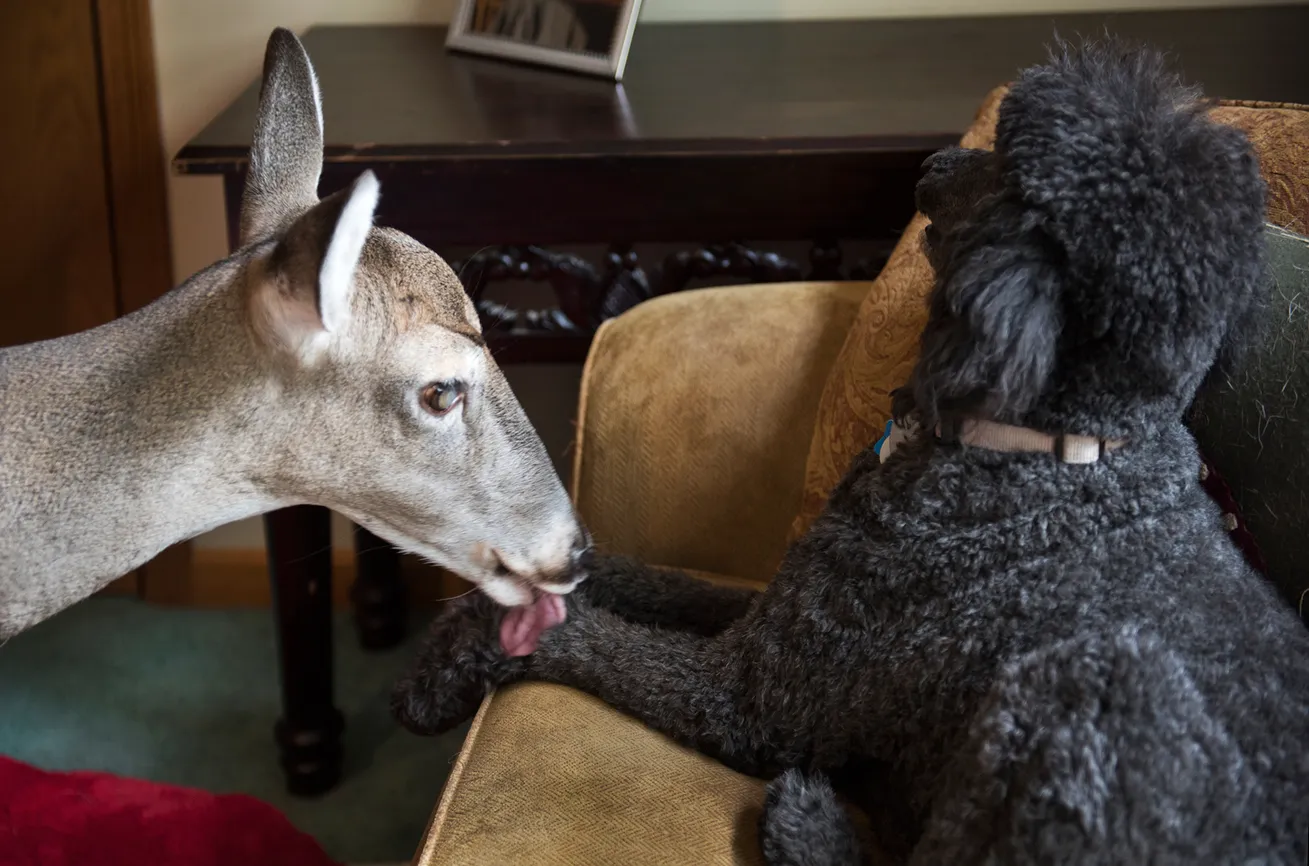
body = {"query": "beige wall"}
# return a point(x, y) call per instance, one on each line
point(753, 10)
point(208, 51)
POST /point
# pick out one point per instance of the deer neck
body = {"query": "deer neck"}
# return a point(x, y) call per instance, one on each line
point(126, 439)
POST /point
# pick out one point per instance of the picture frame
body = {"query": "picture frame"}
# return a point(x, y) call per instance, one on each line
point(592, 37)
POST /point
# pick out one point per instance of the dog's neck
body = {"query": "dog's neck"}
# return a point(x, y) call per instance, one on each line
point(928, 483)
point(992, 435)
point(155, 441)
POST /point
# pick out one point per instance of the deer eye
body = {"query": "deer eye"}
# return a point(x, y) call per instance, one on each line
point(440, 397)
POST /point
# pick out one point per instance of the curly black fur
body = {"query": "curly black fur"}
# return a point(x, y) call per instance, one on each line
point(1056, 663)
point(804, 825)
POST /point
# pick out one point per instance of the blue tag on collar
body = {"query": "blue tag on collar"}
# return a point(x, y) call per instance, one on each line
point(886, 434)
point(891, 439)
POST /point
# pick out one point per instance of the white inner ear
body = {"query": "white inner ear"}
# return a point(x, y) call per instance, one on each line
point(318, 96)
point(337, 273)
point(286, 322)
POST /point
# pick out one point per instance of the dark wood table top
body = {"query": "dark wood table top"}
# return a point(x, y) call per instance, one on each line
point(394, 92)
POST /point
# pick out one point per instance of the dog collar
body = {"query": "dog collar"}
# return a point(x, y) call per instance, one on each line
point(994, 436)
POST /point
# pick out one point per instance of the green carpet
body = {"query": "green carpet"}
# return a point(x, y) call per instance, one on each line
point(189, 697)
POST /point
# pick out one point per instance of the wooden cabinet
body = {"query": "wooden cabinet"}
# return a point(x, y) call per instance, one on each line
point(83, 214)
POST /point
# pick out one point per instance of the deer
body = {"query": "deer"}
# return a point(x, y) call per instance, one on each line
point(327, 361)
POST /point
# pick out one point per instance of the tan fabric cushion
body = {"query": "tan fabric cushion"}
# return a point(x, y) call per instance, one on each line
point(1279, 132)
point(695, 419)
point(553, 777)
point(882, 344)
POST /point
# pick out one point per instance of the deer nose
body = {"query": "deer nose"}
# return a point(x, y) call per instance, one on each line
point(582, 557)
point(579, 560)
point(560, 570)
point(583, 547)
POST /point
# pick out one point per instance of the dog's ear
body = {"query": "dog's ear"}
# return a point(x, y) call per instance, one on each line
point(989, 345)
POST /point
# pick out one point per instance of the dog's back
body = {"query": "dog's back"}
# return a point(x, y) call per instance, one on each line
point(1093, 626)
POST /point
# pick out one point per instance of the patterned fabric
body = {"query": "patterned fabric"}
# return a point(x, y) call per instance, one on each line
point(882, 346)
point(1280, 134)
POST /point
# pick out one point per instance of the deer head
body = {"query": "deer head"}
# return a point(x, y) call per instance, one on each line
point(392, 411)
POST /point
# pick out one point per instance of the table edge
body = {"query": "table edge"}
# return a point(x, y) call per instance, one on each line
point(204, 159)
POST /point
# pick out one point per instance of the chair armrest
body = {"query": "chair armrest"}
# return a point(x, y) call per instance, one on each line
point(695, 419)
point(551, 776)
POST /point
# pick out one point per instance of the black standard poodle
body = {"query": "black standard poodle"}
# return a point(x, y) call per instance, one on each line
point(1027, 627)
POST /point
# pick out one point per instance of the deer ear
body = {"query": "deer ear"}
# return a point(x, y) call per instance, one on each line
point(307, 282)
point(286, 156)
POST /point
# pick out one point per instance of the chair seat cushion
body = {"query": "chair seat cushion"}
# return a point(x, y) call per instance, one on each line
point(552, 776)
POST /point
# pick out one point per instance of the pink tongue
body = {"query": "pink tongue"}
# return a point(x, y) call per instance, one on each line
point(523, 626)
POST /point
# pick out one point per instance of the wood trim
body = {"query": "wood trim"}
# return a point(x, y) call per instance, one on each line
point(134, 152)
point(239, 578)
point(128, 585)
point(136, 180)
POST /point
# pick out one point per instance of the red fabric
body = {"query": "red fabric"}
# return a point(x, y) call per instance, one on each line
point(97, 819)
point(1219, 492)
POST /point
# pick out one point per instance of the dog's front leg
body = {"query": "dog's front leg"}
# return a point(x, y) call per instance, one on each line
point(662, 597)
point(461, 662)
point(683, 683)
point(693, 688)
point(720, 695)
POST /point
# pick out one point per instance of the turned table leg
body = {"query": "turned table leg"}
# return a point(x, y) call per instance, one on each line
point(300, 563)
point(378, 592)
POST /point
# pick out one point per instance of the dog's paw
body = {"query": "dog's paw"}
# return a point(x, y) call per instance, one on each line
point(461, 661)
point(803, 824)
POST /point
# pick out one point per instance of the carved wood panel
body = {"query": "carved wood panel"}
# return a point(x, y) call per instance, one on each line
point(586, 294)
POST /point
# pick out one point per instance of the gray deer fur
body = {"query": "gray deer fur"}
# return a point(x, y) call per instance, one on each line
point(1038, 662)
point(288, 373)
